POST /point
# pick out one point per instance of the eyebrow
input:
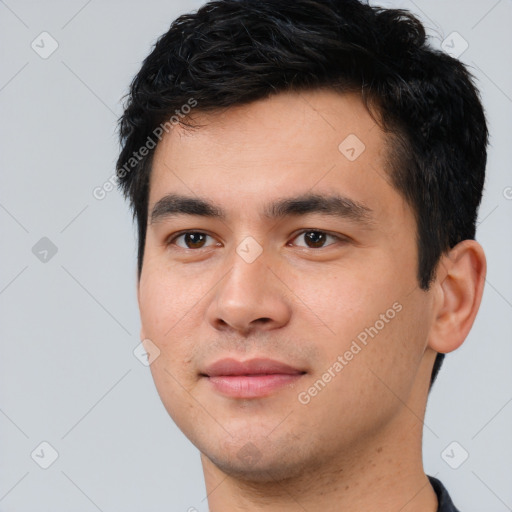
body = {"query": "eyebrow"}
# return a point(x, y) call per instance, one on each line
point(173, 205)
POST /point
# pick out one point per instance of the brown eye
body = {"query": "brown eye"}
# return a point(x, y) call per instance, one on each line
point(191, 240)
point(315, 239)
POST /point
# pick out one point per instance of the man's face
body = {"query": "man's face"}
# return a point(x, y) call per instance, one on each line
point(333, 293)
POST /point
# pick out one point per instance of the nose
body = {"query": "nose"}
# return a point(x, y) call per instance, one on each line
point(249, 297)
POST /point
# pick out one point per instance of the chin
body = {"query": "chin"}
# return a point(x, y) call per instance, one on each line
point(259, 472)
point(250, 464)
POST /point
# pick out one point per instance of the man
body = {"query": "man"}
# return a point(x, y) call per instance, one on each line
point(306, 177)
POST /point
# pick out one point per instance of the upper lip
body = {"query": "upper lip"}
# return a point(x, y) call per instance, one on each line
point(259, 366)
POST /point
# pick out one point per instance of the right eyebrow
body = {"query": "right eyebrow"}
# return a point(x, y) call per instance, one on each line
point(173, 205)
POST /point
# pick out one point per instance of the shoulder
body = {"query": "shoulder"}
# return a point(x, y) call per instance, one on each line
point(443, 498)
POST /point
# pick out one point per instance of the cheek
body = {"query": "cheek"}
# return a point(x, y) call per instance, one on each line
point(165, 298)
point(344, 298)
point(164, 314)
point(378, 324)
point(376, 377)
point(175, 391)
point(395, 343)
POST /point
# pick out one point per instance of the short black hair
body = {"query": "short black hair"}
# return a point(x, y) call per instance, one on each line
point(232, 52)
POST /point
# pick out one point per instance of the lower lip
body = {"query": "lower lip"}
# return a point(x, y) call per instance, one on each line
point(252, 386)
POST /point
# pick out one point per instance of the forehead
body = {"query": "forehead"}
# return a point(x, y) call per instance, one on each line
point(291, 143)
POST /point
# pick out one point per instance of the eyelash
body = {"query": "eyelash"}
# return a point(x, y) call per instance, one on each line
point(340, 239)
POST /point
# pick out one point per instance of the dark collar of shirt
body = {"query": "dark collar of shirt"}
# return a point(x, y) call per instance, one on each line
point(445, 502)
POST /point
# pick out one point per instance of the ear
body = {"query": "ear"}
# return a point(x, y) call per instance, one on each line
point(459, 286)
point(137, 286)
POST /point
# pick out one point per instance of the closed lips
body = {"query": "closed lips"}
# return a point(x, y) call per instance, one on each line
point(260, 366)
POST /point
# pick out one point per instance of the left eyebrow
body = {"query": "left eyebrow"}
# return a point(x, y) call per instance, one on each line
point(336, 205)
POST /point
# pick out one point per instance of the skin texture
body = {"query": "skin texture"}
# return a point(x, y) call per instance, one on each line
point(356, 445)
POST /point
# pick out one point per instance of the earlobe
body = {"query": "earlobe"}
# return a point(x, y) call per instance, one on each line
point(459, 290)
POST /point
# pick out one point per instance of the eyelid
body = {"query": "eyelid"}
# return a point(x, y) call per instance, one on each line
point(339, 238)
point(172, 238)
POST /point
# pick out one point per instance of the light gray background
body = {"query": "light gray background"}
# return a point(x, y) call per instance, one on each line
point(69, 325)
